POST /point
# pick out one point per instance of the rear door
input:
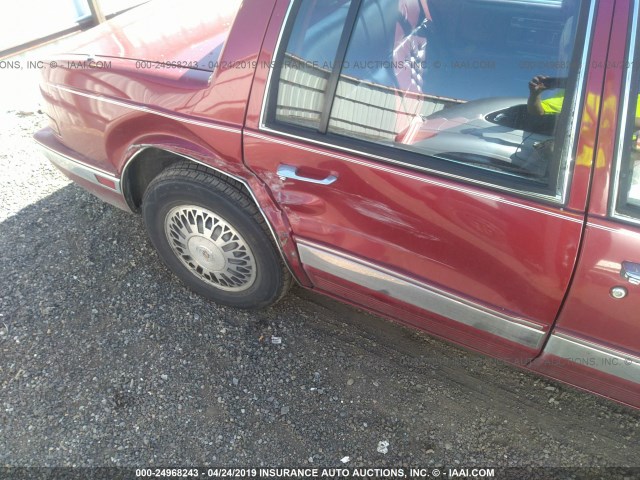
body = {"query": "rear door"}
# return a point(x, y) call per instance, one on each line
point(596, 342)
point(398, 139)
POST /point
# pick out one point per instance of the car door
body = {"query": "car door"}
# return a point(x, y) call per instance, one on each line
point(376, 127)
point(596, 342)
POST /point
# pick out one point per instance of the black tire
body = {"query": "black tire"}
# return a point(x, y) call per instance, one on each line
point(188, 239)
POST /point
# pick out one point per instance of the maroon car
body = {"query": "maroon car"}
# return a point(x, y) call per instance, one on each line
point(470, 168)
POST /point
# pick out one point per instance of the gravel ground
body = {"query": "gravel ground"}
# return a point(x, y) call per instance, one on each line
point(106, 360)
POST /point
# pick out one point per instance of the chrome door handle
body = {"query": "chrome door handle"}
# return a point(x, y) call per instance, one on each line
point(631, 271)
point(287, 171)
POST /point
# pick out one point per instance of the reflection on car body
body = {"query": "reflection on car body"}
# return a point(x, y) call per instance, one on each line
point(487, 132)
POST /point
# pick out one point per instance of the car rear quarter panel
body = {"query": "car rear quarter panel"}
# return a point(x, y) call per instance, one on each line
point(109, 115)
point(104, 110)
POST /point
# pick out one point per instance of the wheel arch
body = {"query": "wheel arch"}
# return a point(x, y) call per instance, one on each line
point(147, 161)
point(140, 170)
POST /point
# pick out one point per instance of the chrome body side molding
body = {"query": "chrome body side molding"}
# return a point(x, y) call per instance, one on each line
point(598, 357)
point(79, 169)
point(419, 295)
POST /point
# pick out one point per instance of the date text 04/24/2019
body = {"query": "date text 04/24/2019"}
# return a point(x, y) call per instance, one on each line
point(333, 473)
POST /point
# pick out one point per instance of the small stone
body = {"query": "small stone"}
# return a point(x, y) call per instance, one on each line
point(383, 446)
point(284, 410)
point(350, 381)
point(164, 377)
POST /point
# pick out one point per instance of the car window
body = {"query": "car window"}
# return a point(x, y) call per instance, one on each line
point(626, 185)
point(628, 201)
point(632, 194)
point(484, 90)
point(305, 66)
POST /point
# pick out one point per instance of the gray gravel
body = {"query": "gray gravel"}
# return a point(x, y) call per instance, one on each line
point(106, 360)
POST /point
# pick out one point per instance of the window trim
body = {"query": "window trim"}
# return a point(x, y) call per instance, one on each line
point(268, 124)
point(631, 77)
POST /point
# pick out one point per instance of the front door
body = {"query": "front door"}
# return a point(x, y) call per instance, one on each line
point(596, 341)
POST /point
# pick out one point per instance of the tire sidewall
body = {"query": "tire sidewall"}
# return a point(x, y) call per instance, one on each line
point(169, 193)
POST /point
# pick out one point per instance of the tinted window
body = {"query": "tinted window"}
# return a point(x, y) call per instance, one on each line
point(483, 89)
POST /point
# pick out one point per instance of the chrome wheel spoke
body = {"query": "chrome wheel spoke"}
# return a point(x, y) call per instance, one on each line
point(210, 247)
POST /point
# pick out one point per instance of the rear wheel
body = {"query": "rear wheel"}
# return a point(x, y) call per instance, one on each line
point(212, 236)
